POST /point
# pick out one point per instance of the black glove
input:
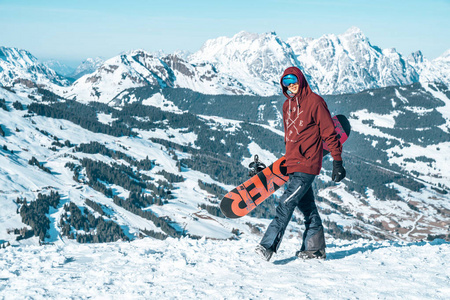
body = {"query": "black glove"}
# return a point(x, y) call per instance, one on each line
point(338, 171)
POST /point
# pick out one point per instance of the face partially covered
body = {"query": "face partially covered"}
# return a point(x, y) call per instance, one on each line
point(290, 82)
point(293, 88)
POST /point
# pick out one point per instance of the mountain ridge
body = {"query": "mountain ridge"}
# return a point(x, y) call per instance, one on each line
point(18, 66)
point(251, 63)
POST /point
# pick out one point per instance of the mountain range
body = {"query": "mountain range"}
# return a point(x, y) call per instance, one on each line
point(146, 145)
point(245, 64)
point(19, 66)
point(87, 66)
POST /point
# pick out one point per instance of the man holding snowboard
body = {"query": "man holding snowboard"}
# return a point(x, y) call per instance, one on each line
point(307, 122)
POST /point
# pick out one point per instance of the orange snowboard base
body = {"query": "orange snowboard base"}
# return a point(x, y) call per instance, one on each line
point(245, 197)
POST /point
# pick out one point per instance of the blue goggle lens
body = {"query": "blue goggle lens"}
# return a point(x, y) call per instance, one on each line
point(289, 79)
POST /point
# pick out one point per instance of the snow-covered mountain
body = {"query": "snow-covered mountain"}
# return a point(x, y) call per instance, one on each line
point(140, 68)
point(255, 60)
point(251, 64)
point(24, 136)
point(161, 110)
point(348, 63)
point(87, 66)
point(59, 67)
point(21, 67)
point(246, 63)
point(436, 70)
point(334, 64)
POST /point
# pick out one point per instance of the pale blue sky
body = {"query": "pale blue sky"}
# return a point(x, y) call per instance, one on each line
point(74, 30)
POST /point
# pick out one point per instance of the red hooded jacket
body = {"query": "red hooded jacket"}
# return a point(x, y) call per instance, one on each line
point(307, 122)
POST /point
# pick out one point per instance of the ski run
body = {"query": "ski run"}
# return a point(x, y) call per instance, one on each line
point(230, 269)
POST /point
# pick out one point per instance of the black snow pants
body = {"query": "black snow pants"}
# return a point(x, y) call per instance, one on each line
point(298, 194)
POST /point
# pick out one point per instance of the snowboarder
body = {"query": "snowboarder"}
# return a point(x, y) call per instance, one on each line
point(307, 122)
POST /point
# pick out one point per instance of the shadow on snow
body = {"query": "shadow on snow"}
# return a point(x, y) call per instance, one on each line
point(375, 246)
point(369, 247)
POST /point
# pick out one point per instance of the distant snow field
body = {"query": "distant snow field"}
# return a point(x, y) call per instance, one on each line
point(210, 269)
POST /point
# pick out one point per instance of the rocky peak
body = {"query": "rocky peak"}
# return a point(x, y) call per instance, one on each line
point(354, 33)
point(416, 57)
point(18, 65)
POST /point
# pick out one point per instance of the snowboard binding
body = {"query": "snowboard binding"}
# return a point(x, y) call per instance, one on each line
point(255, 167)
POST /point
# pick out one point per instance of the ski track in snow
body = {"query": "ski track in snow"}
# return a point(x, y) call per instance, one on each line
point(211, 269)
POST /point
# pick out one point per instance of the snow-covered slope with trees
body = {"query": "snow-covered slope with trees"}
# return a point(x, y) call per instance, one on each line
point(179, 162)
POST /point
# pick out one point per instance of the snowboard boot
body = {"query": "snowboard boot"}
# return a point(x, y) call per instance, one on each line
point(264, 253)
point(309, 254)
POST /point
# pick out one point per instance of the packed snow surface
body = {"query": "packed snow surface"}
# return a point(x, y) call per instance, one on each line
point(213, 269)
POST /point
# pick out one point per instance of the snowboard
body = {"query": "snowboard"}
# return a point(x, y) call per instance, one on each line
point(245, 197)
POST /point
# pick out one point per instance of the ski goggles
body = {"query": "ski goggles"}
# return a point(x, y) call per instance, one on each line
point(288, 80)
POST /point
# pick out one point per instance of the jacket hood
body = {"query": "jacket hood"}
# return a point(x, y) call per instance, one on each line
point(304, 88)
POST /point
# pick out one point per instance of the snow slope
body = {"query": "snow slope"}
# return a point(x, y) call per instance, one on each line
point(413, 216)
point(209, 269)
point(18, 179)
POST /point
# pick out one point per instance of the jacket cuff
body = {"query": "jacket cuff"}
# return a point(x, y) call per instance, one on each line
point(337, 157)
